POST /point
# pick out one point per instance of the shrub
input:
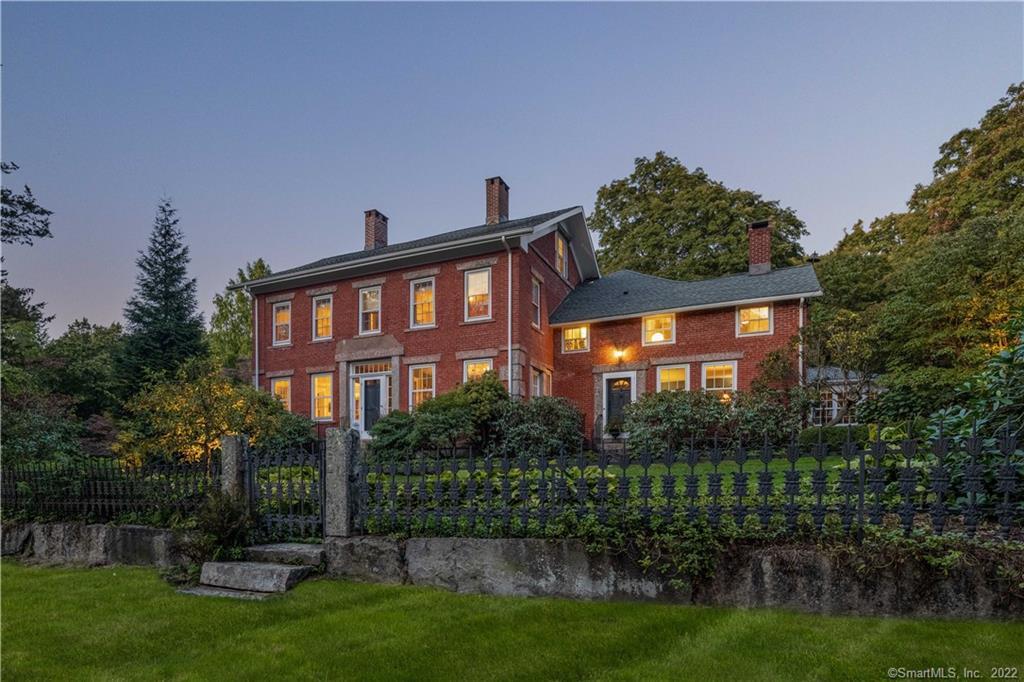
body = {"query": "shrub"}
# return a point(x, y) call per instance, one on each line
point(539, 426)
point(221, 527)
point(393, 436)
point(834, 436)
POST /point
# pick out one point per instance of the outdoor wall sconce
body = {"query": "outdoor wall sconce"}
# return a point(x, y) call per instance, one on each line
point(618, 353)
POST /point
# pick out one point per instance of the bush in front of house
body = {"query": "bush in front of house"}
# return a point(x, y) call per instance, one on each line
point(834, 436)
point(539, 426)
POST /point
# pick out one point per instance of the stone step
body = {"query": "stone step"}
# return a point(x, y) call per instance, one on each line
point(207, 591)
point(298, 553)
point(251, 575)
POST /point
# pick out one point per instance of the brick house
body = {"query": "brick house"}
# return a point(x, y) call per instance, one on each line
point(348, 338)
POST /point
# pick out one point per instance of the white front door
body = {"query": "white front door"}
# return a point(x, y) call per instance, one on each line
point(369, 400)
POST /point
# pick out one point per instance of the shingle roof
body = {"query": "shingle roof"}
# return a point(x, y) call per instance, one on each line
point(626, 292)
point(433, 240)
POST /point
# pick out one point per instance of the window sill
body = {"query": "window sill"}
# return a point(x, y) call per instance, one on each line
point(465, 322)
point(658, 343)
point(743, 336)
point(574, 352)
point(422, 328)
point(536, 328)
point(364, 334)
point(324, 340)
point(280, 345)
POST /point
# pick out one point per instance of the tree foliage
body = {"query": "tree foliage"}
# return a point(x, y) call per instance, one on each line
point(666, 220)
point(23, 219)
point(164, 325)
point(81, 364)
point(230, 335)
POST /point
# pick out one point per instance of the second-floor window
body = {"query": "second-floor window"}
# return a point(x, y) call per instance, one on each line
point(478, 294)
point(575, 339)
point(659, 329)
point(753, 320)
point(561, 256)
point(535, 301)
point(369, 310)
point(282, 324)
point(421, 297)
point(322, 306)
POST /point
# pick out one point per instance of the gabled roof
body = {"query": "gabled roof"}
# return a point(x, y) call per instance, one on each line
point(627, 293)
point(420, 248)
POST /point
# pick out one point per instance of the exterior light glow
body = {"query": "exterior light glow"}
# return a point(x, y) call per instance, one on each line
point(618, 352)
point(657, 337)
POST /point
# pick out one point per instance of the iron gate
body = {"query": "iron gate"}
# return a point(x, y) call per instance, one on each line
point(286, 490)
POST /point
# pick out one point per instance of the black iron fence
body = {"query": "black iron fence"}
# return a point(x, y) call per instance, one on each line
point(285, 488)
point(105, 489)
point(971, 485)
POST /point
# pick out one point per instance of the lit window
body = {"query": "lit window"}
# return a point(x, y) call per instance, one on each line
point(575, 339)
point(561, 256)
point(421, 385)
point(720, 378)
point(478, 294)
point(421, 294)
point(659, 329)
point(474, 369)
point(282, 324)
point(754, 320)
point(369, 310)
point(673, 378)
point(282, 390)
point(322, 317)
point(323, 396)
point(535, 300)
point(540, 382)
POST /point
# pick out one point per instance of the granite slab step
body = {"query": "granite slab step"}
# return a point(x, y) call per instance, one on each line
point(208, 591)
point(299, 553)
point(251, 575)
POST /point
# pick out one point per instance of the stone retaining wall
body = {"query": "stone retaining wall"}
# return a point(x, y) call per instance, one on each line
point(797, 578)
point(91, 544)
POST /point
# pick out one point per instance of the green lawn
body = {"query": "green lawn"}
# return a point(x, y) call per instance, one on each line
point(125, 623)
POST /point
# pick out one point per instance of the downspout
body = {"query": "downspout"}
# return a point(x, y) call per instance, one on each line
point(508, 250)
point(256, 340)
point(800, 349)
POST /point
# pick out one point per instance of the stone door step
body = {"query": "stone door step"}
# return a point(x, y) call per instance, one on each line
point(287, 553)
point(252, 576)
point(208, 591)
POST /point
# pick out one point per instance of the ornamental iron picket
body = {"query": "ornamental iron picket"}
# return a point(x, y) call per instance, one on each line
point(943, 485)
point(285, 489)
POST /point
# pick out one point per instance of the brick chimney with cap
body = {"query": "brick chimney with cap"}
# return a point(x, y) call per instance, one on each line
point(759, 238)
point(497, 200)
point(376, 229)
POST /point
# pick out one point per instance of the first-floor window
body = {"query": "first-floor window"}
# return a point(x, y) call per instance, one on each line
point(282, 390)
point(540, 382)
point(673, 378)
point(474, 369)
point(323, 396)
point(421, 385)
point(720, 378)
point(282, 324)
point(823, 408)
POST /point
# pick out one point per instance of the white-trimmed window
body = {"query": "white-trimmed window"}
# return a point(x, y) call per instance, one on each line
point(282, 323)
point(421, 384)
point(281, 388)
point(474, 369)
point(535, 293)
point(478, 294)
point(659, 329)
point(576, 339)
point(322, 391)
point(674, 378)
point(540, 382)
point(322, 307)
point(754, 320)
point(421, 303)
point(824, 408)
point(561, 255)
point(720, 378)
point(369, 310)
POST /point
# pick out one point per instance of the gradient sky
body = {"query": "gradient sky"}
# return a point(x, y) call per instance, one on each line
point(274, 126)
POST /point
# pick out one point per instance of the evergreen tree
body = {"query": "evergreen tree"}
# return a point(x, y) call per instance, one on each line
point(164, 327)
point(231, 323)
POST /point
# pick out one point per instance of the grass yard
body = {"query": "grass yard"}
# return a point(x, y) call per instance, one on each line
point(126, 623)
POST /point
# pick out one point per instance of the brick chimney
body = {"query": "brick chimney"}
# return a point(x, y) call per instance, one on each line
point(497, 200)
point(376, 229)
point(759, 237)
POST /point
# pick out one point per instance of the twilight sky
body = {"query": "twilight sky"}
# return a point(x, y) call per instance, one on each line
point(274, 126)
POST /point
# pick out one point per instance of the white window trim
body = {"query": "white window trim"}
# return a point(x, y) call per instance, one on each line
point(330, 299)
point(771, 320)
point(380, 309)
point(575, 326)
point(312, 396)
point(643, 331)
point(465, 295)
point(704, 376)
point(412, 302)
point(466, 363)
point(545, 381)
point(274, 381)
point(560, 238)
point(686, 383)
point(433, 381)
point(631, 375)
point(273, 324)
point(537, 321)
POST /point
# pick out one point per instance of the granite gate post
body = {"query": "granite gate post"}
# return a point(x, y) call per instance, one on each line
point(339, 464)
point(232, 458)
